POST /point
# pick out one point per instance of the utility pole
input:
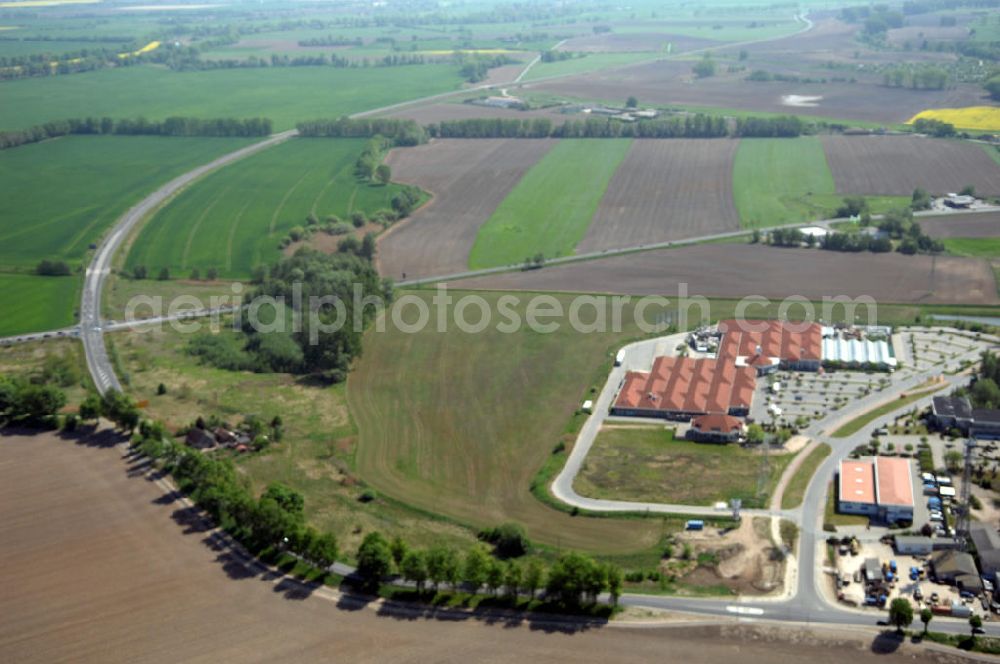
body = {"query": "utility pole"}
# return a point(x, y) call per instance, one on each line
point(963, 508)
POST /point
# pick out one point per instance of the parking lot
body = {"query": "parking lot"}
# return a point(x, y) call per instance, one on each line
point(812, 395)
point(921, 349)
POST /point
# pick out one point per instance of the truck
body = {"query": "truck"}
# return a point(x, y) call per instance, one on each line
point(620, 357)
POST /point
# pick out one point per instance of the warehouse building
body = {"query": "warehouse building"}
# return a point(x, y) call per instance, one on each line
point(880, 488)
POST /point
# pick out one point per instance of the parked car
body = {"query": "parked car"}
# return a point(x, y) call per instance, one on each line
point(934, 598)
point(918, 594)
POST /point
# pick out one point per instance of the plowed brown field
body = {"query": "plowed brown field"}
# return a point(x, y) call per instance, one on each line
point(469, 178)
point(740, 270)
point(666, 190)
point(983, 224)
point(896, 165)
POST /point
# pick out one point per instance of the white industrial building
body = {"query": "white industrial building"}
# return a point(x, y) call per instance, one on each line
point(856, 352)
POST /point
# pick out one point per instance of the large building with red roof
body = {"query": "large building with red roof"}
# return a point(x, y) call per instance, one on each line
point(881, 488)
point(680, 388)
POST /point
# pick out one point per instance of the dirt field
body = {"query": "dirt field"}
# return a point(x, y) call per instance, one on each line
point(99, 564)
point(734, 270)
point(439, 112)
point(468, 178)
point(666, 190)
point(896, 165)
point(632, 42)
point(962, 225)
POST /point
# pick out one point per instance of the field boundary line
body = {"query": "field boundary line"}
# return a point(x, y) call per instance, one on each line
point(197, 225)
point(232, 233)
point(281, 205)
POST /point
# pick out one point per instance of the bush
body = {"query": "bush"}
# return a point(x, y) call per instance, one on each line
point(47, 268)
point(509, 540)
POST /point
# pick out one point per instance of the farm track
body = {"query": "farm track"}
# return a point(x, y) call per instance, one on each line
point(666, 190)
point(896, 165)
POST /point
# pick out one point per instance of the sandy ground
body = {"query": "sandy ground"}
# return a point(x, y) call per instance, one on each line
point(99, 564)
point(737, 270)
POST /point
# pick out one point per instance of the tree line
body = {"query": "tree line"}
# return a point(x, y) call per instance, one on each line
point(401, 132)
point(173, 126)
point(690, 126)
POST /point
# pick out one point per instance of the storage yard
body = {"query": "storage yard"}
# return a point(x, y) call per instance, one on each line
point(740, 270)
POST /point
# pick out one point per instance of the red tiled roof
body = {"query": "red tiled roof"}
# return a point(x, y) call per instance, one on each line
point(787, 341)
point(857, 482)
point(688, 385)
point(894, 484)
point(717, 422)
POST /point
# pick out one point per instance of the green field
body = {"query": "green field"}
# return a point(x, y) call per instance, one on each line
point(592, 62)
point(993, 152)
point(549, 210)
point(459, 423)
point(976, 247)
point(648, 464)
point(36, 304)
point(58, 196)
point(285, 94)
point(774, 180)
point(796, 488)
point(234, 218)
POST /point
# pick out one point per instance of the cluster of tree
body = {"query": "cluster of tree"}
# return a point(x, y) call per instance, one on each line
point(705, 67)
point(924, 78)
point(369, 166)
point(856, 242)
point(875, 19)
point(188, 58)
point(406, 200)
point(786, 126)
point(142, 272)
point(574, 580)
point(936, 128)
point(401, 132)
point(266, 524)
point(899, 225)
point(786, 237)
point(24, 402)
point(509, 540)
point(330, 40)
point(49, 268)
point(475, 70)
point(984, 391)
point(73, 62)
point(113, 405)
point(174, 126)
point(556, 56)
point(763, 76)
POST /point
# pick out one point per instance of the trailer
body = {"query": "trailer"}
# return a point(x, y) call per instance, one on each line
point(620, 357)
point(694, 524)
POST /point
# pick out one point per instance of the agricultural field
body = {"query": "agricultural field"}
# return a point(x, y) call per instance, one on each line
point(592, 62)
point(738, 270)
point(35, 304)
point(233, 219)
point(468, 179)
point(647, 464)
point(468, 437)
point(550, 209)
point(775, 180)
point(631, 42)
point(975, 247)
point(666, 190)
point(277, 93)
point(979, 225)
point(899, 164)
point(979, 118)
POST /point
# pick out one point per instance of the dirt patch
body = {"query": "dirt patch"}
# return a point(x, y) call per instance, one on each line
point(740, 270)
point(986, 224)
point(468, 178)
point(896, 165)
point(666, 190)
point(745, 559)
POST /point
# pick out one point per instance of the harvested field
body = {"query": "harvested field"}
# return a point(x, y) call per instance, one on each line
point(896, 165)
point(429, 113)
point(99, 564)
point(962, 225)
point(728, 270)
point(635, 42)
point(468, 178)
point(666, 190)
point(671, 83)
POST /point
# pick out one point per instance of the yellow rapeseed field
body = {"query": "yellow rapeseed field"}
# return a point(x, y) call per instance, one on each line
point(986, 118)
point(151, 46)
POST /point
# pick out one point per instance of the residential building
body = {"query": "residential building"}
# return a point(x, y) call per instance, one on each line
point(956, 568)
point(715, 429)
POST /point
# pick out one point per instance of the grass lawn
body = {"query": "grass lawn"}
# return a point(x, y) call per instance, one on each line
point(975, 247)
point(459, 423)
point(119, 292)
point(233, 219)
point(59, 196)
point(832, 517)
point(776, 179)
point(314, 455)
point(993, 152)
point(34, 304)
point(549, 210)
point(859, 422)
point(648, 464)
point(796, 489)
point(285, 94)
